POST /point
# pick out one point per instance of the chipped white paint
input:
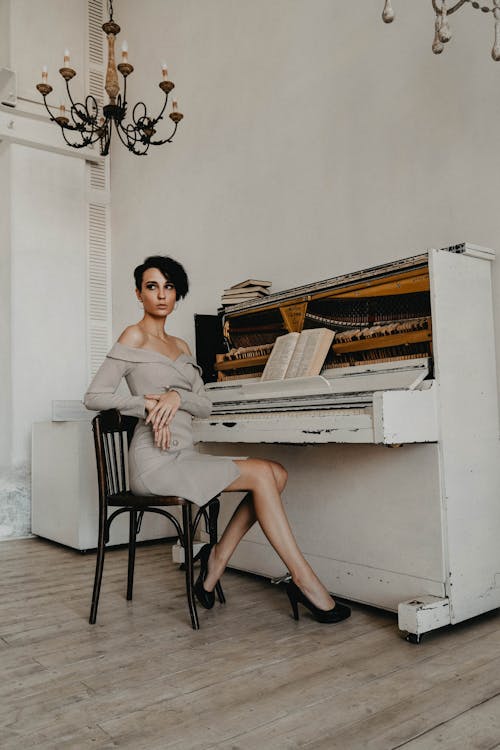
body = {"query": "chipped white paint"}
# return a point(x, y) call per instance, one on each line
point(423, 614)
point(346, 426)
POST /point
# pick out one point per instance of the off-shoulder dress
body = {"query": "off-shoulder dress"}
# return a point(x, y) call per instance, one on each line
point(180, 470)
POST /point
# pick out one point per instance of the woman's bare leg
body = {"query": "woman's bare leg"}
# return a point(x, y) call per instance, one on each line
point(240, 522)
point(258, 477)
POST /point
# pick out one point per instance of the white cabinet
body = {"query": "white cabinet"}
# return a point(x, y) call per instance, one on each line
point(64, 489)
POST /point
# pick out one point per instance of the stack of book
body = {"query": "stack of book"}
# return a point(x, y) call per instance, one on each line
point(245, 291)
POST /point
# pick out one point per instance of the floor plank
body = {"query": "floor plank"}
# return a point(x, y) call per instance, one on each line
point(252, 677)
point(476, 729)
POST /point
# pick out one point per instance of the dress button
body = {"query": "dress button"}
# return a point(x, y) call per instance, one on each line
point(175, 442)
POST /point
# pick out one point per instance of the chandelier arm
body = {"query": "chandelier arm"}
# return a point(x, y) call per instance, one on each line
point(129, 131)
point(48, 109)
point(457, 6)
point(86, 134)
point(166, 140)
point(138, 122)
point(104, 135)
point(79, 108)
point(124, 102)
point(160, 116)
point(79, 120)
point(92, 118)
point(85, 141)
point(451, 10)
point(130, 142)
point(74, 106)
point(65, 126)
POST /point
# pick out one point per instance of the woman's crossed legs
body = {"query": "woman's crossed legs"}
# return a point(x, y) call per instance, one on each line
point(264, 481)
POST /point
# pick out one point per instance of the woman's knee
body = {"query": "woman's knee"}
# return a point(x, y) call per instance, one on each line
point(272, 471)
point(258, 473)
point(280, 474)
point(255, 473)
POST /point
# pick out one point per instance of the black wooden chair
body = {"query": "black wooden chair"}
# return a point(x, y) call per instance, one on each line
point(112, 435)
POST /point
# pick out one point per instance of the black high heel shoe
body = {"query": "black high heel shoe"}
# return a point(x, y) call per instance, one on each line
point(336, 614)
point(206, 598)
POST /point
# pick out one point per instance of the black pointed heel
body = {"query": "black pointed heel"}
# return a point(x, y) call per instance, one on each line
point(293, 602)
point(206, 598)
point(336, 614)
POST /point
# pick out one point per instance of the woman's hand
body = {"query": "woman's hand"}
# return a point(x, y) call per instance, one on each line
point(165, 408)
point(149, 404)
point(161, 434)
point(162, 438)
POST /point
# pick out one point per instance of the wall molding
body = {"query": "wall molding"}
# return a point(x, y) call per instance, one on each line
point(27, 129)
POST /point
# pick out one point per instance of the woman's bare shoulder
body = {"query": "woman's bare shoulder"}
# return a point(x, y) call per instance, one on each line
point(182, 345)
point(132, 336)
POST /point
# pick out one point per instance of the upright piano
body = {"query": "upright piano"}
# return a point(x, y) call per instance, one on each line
point(411, 366)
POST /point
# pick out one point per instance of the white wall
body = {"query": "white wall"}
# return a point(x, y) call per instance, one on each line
point(39, 34)
point(48, 287)
point(5, 57)
point(5, 316)
point(43, 327)
point(316, 140)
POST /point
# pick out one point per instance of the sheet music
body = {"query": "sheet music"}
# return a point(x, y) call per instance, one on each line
point(279, 358)
point(307, 350)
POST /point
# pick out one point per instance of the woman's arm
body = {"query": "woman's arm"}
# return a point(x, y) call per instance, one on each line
point(101, 393)
point(195, 401)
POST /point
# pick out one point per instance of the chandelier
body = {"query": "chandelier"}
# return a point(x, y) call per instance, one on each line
point(442, 33)
point(84, 124)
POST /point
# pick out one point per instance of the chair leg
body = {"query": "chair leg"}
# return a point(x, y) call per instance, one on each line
point(99, 566)
point(131, 553)
point(187, 525)
point(213, 515)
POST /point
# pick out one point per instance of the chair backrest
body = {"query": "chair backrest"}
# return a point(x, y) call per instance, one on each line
point(112, 435)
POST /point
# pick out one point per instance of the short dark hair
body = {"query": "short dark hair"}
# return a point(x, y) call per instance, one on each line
point(170, 268)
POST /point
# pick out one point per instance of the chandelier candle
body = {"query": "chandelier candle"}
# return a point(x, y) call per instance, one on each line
point(62, 119)
point(86, 124)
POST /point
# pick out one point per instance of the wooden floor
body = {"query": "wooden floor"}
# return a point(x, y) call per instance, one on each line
point(250, 678)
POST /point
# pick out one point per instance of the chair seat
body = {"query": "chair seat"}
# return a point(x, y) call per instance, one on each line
point(130, 500)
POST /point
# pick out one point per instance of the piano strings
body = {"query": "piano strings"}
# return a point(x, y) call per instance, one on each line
point(382, 319)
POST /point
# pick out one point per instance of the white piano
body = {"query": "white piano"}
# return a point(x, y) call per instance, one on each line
point(416, 529)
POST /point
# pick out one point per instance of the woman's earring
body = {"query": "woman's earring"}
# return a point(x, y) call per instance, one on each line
point(139, 302)
point(176, 305)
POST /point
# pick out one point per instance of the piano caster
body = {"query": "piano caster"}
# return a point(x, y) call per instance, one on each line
point(419, 616)
point(413, 638)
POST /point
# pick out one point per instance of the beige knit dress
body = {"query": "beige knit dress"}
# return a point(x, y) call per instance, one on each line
point(180, 470)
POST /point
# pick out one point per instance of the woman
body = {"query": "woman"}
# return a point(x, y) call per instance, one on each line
point(167, 390)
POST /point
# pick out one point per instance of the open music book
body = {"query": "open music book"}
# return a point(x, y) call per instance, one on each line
point(298, 355)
